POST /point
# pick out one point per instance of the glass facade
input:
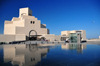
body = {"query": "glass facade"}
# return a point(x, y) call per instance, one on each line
point(73, 37)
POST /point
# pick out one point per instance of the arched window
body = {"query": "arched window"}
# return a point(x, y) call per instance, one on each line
point(34, 36)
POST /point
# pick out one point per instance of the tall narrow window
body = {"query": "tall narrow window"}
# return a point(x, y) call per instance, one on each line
point(31, 22)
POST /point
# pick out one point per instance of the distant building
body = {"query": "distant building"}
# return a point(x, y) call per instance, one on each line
point(25, 27)
point(68, 34)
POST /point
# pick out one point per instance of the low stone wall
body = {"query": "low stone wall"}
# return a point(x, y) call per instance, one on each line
point(43, 42)
point(52, 37)
point(94, 40)
point(21, 37)
point(11, 38)
point(7, 38)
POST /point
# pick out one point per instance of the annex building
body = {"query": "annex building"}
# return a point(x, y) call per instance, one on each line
point(74, 35)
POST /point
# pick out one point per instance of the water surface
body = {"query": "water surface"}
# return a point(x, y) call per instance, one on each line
point(50, 55)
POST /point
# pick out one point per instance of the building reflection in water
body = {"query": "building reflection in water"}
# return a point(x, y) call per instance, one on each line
point(24, 55)
point(78, 47)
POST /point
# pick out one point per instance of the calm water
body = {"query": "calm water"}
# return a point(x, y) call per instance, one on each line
point(50, 55)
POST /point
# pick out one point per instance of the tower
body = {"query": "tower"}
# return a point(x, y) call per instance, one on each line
point(25, 11)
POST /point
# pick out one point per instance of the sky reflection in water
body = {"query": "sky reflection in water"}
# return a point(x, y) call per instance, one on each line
point(50, 55)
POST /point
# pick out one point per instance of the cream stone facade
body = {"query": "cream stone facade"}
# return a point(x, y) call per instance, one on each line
point(18, 28)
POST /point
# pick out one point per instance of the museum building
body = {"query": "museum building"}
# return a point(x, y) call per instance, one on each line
point(25, 27)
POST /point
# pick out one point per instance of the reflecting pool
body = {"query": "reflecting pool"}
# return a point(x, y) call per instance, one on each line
point(50, 55)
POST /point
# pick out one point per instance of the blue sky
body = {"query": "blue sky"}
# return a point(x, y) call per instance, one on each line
point(58, 15)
